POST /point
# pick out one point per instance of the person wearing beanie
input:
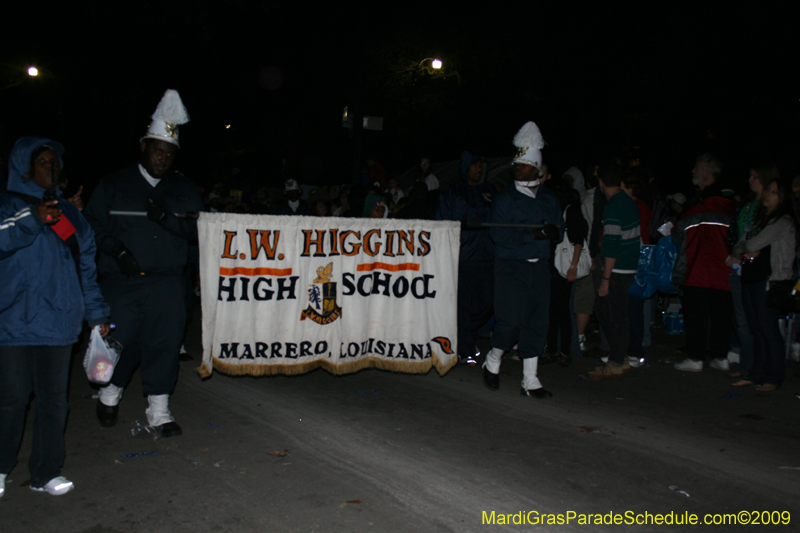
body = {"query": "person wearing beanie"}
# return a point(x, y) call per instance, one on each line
point(521, 269)
point(142, 261)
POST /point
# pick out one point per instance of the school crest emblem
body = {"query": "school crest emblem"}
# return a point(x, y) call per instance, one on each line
point(322, 307)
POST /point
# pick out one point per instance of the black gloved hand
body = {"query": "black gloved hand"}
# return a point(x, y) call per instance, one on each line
point(127, 264)
point(548, 231)
point(156, 213)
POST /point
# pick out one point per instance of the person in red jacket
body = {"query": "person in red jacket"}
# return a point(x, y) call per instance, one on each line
point(701, 272)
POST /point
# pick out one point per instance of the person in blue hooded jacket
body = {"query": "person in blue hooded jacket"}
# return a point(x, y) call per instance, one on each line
point(469, 200)
point(47, 252)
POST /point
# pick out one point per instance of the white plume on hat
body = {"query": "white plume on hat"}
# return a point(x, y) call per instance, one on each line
point(529, 143)
point(169, 114)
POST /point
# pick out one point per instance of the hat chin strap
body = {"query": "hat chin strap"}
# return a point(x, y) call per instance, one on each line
point(533, 183)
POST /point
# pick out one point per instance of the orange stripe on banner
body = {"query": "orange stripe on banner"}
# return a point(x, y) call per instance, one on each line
point(241, 271)
point(366, 267)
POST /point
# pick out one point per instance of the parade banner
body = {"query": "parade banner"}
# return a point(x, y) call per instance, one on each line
point(287, 294)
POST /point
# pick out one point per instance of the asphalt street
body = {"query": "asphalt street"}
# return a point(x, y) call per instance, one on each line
point(383, 452)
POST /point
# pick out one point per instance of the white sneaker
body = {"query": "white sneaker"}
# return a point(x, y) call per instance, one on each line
point(2, 484)
point(58, 486)
point(582, 342)
point(635, 362)
point(720, 364)
point(604, 359)
point(733, 357)
point(689, 365)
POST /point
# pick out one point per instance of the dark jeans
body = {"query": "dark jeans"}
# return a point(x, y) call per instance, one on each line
point(769, 358)
point(43, 370)
point(612, 312)
point(521, 305)
point(707, 314)
point(636, 322)
point(559, 334)
point(475, 303)
point(742, 338)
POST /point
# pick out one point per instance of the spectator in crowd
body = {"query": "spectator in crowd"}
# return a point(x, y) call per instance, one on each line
point(47, 253)
point(620, 257)
point(344, 209)
point(701, 272)
point(425, 175)
point(741, 349)
point(394, 192)
point(633, 186)
point(469, 201)
point(585, 290)
point(375, 206)
point(421, 203)
point(319, 208)
point(293, 205)
point(774, 235)
point(559, 335)
point(375, 174)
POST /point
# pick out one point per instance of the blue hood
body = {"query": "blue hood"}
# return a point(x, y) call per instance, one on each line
point(467, 160)
point(19, 162)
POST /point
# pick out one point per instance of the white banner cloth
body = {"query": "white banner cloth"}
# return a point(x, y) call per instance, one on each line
point(286, 294)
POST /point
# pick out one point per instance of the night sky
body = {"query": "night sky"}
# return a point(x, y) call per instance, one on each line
point(651, 83)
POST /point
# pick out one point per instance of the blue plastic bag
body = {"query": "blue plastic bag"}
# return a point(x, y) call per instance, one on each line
point(662, 262)
point(641, 286)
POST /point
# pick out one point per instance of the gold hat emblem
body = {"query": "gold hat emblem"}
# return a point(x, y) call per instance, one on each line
point(172, 129)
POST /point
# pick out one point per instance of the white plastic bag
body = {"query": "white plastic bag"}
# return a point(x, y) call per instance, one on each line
point(101, 357)
point(563, 256)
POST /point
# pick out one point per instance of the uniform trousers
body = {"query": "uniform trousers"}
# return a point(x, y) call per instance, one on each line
point(521, 305)
point(149, 313)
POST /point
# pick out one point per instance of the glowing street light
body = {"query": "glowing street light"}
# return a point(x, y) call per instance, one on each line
point(436, 63)
point(33, 71)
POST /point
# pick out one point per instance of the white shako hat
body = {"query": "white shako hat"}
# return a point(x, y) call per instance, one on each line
point(529, 143)
point(169, 114)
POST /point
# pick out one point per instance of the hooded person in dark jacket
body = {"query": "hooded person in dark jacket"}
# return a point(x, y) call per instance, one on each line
point(47, 253)
point(469, 200)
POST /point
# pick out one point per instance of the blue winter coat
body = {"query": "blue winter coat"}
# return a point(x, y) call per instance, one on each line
point(42, 301)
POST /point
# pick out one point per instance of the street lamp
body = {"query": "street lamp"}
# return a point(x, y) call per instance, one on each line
point(436, 64)
point(33, 71)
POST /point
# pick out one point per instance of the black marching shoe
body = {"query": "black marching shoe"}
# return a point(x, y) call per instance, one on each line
point(107, 414)
point(547, 357)
point(491, 380)
point(170, 429)
point(541, 393)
